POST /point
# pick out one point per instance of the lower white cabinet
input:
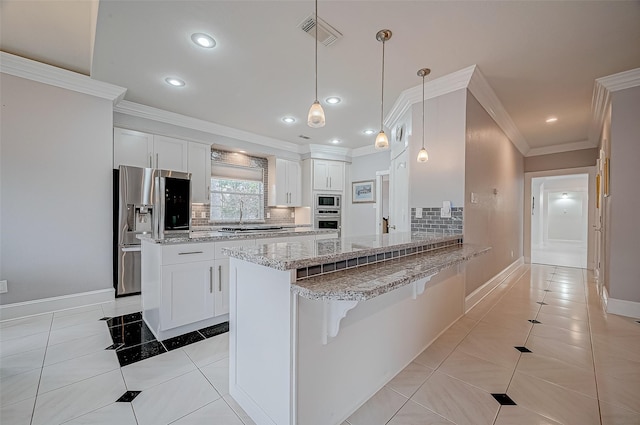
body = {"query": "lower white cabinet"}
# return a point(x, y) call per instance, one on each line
point(188, 293)
point(221, 286)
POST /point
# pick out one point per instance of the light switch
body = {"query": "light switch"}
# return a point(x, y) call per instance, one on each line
point(419, 212)
point(268, 215)
point(474, 198)
point(445, 211)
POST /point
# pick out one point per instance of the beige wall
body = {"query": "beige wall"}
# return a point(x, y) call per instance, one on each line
point(56, 191)
point(491, 162)
point(558, 161)
point(624, 226)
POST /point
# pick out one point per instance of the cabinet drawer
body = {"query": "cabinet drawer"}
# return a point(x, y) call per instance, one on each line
point(187, 253)
point(232, 244)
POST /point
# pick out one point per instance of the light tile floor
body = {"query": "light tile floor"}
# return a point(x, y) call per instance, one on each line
point(584, 367)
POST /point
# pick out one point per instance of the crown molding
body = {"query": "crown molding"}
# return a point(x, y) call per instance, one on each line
point(565, 147)
point(434, 88)
point(601, 98)
point(470, 78)
point(58, 77)
point(326, 152)
point(365, 150)
point(482, 91)
point(143, 111)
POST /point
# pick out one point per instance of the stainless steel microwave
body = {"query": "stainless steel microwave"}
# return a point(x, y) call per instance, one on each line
point(327, 201)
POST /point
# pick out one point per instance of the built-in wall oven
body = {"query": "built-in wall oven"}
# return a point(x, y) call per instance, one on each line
point(327, 212)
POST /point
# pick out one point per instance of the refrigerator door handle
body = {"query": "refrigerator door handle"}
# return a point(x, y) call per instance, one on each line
point(132, 249)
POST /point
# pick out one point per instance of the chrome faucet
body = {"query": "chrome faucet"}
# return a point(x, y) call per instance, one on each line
point(241, 205)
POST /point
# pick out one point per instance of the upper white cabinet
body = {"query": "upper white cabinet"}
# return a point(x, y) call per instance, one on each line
point(200, 169)
point(170, 153)
point(328, 175)
point(284, 183)
point(140, 149)
point(132, 148)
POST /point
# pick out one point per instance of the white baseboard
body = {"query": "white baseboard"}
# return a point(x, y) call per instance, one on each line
point(623, 307)
point(476, 296)
point(48, 305)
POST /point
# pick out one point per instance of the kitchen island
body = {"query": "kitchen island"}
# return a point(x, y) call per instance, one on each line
point(185, 277)
point(317, 328)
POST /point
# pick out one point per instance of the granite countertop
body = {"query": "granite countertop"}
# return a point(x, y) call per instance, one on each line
point(366, 282)
point(214, 235)
point(296, 255)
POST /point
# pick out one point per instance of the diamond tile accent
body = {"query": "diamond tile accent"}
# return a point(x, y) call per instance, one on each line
point(128, 397)
point(523, 349)
point(542, 303)
point(504, 400)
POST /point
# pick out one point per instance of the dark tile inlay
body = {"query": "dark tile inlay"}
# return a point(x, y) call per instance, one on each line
point(131, 334)
point(130, 355)
point(105, 318)
point(547, 290)
point(523, 349)
point(504, 400)
point(182, 340)
point(128, 397)
point(114, 346)
point(215, 330)
point(533, 321)
point(122, 320)
point(542, 303)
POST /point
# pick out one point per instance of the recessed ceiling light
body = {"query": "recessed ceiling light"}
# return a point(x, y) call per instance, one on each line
point(333, 100)
point(369, 132)
point(551, 120)
point(335, 141)
point(203, 40)
point(175, 82)
point(289, 120)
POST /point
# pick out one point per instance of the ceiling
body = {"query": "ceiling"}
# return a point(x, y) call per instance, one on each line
point(540, 57)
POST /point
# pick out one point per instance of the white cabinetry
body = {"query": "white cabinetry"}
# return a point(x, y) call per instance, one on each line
point(200, 169)
point(284, 183)
point(139, 149)
point(187, 293)
point(328, 175)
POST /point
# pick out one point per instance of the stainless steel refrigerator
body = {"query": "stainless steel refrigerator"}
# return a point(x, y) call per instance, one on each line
point(146, 200)
point(134, 192)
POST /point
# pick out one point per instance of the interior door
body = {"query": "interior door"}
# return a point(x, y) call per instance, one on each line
point(399, 194)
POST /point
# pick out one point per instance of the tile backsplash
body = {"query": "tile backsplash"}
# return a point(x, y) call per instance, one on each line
point(430, 220)
point(277, 215)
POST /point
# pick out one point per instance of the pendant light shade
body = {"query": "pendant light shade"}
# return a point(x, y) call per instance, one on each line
point(423, 156)
point(316, 115)
point(315, 118)
point(382, 141)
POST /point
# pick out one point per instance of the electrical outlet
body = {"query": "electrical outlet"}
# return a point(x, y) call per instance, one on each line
point(419, 212)
point(3, 287)
point(203, 214)
point(293, 215)
point(193, 214)
point(474, 198)
point(511, 254)
point(268, 215)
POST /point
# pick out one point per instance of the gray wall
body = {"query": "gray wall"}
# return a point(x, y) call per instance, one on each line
point(55, 210)
point(362, 217)
point(562, 160)
point(624, 232)
point(491, 162)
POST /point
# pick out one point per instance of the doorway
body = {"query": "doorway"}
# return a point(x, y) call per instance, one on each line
point(382, 202)
point(560, 220)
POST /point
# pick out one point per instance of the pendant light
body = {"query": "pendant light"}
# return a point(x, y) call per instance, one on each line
point(382, 141)
point(315, 118)
point(423, 156)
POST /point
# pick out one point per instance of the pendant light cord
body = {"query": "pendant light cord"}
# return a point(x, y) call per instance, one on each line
point(382, 97)
point(423, 111)
point(316, 50)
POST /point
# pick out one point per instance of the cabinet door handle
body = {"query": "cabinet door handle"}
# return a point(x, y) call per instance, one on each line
point(150, 161)
point(211, 280)
point(157, 162)
point(330, 183)
point(219, 278)
point(208, 192)
point(190, 252)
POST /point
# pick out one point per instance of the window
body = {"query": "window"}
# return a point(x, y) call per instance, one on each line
point(235, 189)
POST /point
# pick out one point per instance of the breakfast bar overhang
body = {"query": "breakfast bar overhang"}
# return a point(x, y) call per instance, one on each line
point(318, 327)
